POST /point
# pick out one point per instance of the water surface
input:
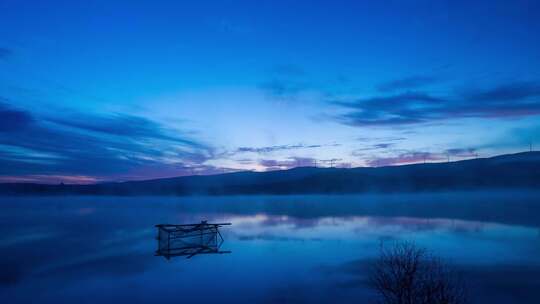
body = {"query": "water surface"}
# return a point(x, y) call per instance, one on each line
point(297, 249)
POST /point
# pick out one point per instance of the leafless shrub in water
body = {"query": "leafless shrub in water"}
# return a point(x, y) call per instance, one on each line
point(407, 274)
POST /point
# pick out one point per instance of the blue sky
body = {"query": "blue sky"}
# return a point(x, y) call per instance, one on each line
point(120, 90)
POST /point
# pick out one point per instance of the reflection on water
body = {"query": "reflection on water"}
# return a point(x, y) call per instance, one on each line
point(314, 249)
point(189, 240)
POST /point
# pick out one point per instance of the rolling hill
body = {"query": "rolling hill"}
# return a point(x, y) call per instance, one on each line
point(511, 171)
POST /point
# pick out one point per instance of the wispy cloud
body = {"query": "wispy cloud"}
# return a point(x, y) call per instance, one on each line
point(518, 99)
point(413, 157)
point(285, 82)
point(283, 88)
point(405, 158)
point(13, 119)
point(376, 147)
point(462, 152)
point(399, 109)
point(97, 146)
point(363, 150)
point(269, 149)
point(505, 92)
point(122, 125)
point(292, 162)
point(388, 138)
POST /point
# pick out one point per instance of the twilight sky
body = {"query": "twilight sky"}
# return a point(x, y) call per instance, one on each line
point(95, 91)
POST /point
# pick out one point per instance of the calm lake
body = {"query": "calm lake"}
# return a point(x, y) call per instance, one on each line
point(284, 249)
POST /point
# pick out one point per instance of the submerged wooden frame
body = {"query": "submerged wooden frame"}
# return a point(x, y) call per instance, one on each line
point(189, 239)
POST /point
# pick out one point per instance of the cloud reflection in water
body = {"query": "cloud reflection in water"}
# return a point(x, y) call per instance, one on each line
point(279, 253)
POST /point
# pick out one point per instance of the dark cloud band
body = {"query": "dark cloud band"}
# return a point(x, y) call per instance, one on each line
point(518, 99)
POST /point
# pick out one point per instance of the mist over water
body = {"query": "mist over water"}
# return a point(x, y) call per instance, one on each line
point(301, 249)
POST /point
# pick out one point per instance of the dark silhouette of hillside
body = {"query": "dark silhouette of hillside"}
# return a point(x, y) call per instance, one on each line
point(512, 171)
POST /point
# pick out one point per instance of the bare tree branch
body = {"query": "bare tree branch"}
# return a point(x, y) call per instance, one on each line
point(406, 274)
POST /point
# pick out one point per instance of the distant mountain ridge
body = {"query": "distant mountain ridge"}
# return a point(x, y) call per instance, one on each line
point(513, 171)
